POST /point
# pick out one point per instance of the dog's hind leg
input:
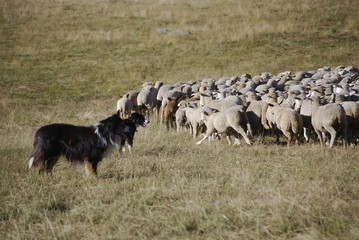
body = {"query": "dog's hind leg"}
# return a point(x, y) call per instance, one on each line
point(37, 159)
point(90, 168)
point(50, 163)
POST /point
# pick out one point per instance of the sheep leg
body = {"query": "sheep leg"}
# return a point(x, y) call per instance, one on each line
point(161, 114)
point(240, 130)
point(178, 125)
point(236, 140)
point(290, 139)
point(289, 136)
point(333, 135)
point(190, 129)
point(249, 131)
point(325, 139)
point(229, 139)
point(345, 136)
point(204, 138)
point(194, 130)
point(158, 107)
point(319, 137)
point(305, 134)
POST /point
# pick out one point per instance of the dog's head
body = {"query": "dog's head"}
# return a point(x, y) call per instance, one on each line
point(113, 124)
point(139, 119)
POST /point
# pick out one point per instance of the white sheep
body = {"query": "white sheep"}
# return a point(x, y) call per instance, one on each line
point(304, 107)
point(330, 118)
point(227, 121)
point(285, 119)
point(132, 95)
point(145, 100)
point(194, 117)
point(222, 104)
point(124, 106)
point(160, 94)
point(352, 113)
point(180, 116)
point(254, 115)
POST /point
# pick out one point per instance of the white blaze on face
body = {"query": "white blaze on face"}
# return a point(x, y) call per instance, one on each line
point(146, 122)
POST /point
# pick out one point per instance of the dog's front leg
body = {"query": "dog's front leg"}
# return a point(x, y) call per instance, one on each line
point(90, 169)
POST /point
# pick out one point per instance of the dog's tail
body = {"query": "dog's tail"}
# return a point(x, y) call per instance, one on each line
point(31, 162)
point(37, 156)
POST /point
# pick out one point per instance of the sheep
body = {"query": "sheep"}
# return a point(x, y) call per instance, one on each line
point(330, 118)
point(132, 95)
point(205, 97)
point(153, 95)
point(352, 113)
point(265, 87)
point(254, 115)
point(304, 107)
point(180, 115)
point(155, 90)
point(194, 117)
point(124, 106)
point(227, 121)
point(230, 101)
point(169, 112)
point(145, 100)
point(287, 120)
point(160, 94)
point(173, 93)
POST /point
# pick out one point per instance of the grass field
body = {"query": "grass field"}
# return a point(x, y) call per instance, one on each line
point(69, 61)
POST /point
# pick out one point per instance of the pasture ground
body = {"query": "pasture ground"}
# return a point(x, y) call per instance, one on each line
point(69, 61)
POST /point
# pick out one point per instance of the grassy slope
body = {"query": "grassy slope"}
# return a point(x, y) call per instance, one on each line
point(70, 60)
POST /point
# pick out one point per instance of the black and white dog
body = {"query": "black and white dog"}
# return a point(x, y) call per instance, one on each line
point(130, 129)
point(85, 145)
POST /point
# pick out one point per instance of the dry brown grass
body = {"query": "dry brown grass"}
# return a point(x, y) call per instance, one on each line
point(69, 61)
point(173, 189)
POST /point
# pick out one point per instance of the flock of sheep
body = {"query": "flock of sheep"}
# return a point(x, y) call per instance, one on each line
point(321, 104)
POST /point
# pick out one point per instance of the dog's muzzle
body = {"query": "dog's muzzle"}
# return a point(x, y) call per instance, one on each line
point(145, 123)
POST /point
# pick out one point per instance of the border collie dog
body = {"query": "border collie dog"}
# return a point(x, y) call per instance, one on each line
point(81, 145)
point(130, 129)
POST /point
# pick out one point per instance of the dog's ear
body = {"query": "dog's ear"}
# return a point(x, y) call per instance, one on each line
point(117, 113)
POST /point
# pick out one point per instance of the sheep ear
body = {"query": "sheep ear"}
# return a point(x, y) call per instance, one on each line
point(127, 95)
